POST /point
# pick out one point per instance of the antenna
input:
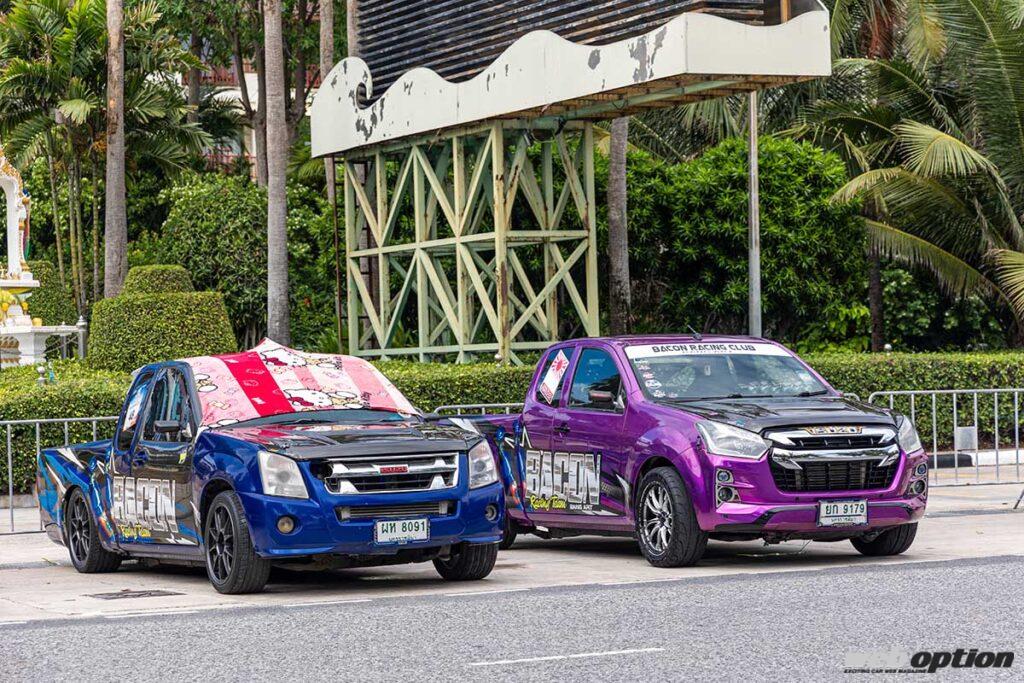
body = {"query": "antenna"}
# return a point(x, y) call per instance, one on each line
point(696, 335)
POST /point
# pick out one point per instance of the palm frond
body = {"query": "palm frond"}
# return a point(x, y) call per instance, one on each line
point(932, 153)
point(1009, 273)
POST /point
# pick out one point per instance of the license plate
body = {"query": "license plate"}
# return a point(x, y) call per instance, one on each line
point(401, 531)
point(842, 513)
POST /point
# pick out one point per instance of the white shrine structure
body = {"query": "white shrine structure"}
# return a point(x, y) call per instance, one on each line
point(22, 338)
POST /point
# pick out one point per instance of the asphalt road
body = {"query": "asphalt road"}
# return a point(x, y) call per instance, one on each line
point(794, 625)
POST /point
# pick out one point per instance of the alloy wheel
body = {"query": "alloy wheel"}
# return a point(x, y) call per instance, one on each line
point(656, 517)
point(78, 530)
point(220, 545)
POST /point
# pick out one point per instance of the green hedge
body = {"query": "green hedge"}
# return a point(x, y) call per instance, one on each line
point(132, 330)
point(157, 280)
point(52, 303)
point(84, 392)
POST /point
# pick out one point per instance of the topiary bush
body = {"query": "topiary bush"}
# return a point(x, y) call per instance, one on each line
point(157, 280)
point(132, 330)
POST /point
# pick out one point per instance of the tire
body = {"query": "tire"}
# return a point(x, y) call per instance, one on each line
point(82, 536)
point(666, 525)
point(509, 536)
point(471, 563)
point(231, 560)
point(892, 542)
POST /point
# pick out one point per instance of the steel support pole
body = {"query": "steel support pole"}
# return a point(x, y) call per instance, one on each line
point(754, 228)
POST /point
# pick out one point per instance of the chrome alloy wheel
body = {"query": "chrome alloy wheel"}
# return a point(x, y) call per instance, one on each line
point(656, 517)
point(220, 545)
point(78, 530)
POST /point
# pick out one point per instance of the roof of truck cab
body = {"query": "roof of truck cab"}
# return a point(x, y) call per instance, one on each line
point(633, 339)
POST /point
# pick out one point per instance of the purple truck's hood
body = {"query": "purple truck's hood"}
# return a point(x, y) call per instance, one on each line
point(759, 414)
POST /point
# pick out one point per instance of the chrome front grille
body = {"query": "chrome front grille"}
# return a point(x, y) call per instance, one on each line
point(438, 509)
point(865, 459)
point(392, 474)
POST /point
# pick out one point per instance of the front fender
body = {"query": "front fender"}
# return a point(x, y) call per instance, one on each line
point(679, 447)
point(220, 463)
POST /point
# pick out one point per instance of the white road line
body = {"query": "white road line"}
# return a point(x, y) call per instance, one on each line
point(633, 582)
point(609, 653)
point(317, 604)
point(500, 590)
point(12, 623)
point(149, 614)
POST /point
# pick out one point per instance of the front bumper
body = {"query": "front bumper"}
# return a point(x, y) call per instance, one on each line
point(319, 531)
point(764, 510)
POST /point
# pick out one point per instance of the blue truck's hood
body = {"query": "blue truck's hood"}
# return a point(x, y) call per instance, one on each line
point(312, 442)
point(760, 414)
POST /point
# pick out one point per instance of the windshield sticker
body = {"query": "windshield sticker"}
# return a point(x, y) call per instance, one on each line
point(553, 378)
point(703, 349)
point(653, 384)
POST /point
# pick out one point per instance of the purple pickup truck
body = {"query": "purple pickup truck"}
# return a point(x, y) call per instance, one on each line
point(675, 440)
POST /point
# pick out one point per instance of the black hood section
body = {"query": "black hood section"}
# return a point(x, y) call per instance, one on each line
point(758, 414)
point(315, 442)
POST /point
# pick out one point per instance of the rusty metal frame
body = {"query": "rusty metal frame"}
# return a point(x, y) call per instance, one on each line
point(443, 221)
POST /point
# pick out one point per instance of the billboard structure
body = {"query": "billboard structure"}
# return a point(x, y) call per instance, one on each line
point(469, 176)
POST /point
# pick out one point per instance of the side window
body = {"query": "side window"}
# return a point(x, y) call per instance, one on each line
point(133, 411)
point(595, 371)
point(552, 375)
point(169, 403)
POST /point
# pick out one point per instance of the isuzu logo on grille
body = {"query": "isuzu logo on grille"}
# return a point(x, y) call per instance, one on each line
point(393, 469)
point(830, 431)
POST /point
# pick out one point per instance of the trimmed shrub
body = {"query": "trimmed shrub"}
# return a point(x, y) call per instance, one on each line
point(132, 330)
point(429, 385)
point(157, 280)
point(51, 302)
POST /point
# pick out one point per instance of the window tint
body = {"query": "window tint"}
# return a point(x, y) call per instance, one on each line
point(596, 371)
point(132, 412)
point(553, 375)
point(169, 401)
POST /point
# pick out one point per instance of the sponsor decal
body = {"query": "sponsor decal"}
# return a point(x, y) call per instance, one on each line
point(565, 482)
point(142, 506)
point(703, 349)
point(553, 377)
point(924, 662)
point(834, 431)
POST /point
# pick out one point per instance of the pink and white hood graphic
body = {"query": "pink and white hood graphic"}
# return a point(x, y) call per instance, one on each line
point(272, 379)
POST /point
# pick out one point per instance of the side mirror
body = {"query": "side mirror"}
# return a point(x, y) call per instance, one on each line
point(604, 398)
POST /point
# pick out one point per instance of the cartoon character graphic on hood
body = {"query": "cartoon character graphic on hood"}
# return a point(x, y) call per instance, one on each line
point(311, 399)
point(282, 358)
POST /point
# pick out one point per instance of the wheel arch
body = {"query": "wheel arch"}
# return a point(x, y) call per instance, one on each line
point(213, 488)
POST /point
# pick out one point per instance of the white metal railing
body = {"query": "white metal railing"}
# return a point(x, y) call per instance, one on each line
point(479, 409)
point(972, 435)
point(23, 437)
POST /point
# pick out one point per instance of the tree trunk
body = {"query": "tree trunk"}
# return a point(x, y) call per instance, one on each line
point(73, 243)
point(95, 229)
point(54, 206)
point(326, 64)
point(116, 218)
point(277, 167)
point(194, 74)
point(619, 295)
point(80, 236)
point(875, 303)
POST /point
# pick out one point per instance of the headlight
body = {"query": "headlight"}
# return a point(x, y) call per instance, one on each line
point(908, 439)
point(281, 476)
point(723, 439)
point(482, 470)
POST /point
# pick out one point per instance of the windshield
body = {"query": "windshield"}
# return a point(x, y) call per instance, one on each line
point(328, 417)
point(721, 370)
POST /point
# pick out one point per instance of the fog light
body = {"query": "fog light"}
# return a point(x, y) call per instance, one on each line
point(723, 476)
point(918, 487)
point(286, 525)
point(725, 494)
point(921, 469)
point(491, 512)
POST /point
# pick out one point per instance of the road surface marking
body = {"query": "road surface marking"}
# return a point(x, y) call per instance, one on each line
point(12, 623)
point(317, 604)
point(608, 653)
point(149, 614)
point(500, 590)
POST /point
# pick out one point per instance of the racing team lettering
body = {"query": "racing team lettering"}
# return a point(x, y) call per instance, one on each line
point(563, 482)
point(704, 349)
point(146, 504)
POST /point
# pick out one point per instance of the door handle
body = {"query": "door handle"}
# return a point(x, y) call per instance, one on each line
point(563, 429)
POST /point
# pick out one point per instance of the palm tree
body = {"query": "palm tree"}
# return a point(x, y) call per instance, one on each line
point(941, 146)
point(116, 216)
point(278, 327)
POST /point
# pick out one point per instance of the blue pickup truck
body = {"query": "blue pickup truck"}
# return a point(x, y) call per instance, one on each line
point(273, 456)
